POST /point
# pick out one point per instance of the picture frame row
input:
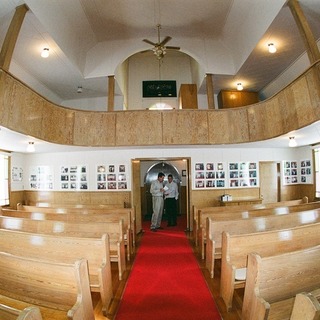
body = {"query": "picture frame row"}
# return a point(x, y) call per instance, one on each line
point(212, 175)
point(295, 172)
point(76, 177)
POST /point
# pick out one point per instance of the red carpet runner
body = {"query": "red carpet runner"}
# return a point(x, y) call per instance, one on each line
point(166, 281)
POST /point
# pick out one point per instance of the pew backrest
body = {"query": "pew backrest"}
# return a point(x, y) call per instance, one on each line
point(306, 306)
point(273, 282)
point(242, 208)
point(66, 249)
point(66, 205)
point(87, 211)
point(76, 218)
point(253, 225)
point(236, 247)
point(114, 229)
point(56, 286)
point(246, 214)
point(28, 313)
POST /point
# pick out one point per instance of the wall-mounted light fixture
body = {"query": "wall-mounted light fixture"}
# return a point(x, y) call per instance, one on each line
point(45, 53)
point(30, 147)
point(292, 142)
point(272, 48)
point(239, 86)
point(79, 90)
point(160, 106)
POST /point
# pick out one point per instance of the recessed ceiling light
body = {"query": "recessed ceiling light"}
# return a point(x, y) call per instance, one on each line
point(45, 53)
point(272, 48)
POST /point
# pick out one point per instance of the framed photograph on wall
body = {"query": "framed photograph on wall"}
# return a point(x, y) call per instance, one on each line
point(74, 177)
point(243, 174)
point(17, 174)
point(305, 171)
point(199, 166)
point(290, 172)
point(41, 178)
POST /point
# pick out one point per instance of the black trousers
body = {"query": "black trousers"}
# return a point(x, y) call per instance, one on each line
point(171, 211)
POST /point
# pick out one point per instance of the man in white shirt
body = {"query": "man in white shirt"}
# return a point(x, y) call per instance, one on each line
point(157, 190)
point(171, 197)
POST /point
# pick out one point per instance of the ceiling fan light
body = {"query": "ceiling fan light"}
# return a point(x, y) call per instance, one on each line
point(159, 52)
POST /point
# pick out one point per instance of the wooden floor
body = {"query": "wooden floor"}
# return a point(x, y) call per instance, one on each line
point(213, 284)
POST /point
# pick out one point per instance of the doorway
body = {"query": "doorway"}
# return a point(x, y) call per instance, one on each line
point(146, 170)
point(151, 175)
point(269, 182)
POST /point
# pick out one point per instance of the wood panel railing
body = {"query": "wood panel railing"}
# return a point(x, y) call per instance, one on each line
point(294, 107)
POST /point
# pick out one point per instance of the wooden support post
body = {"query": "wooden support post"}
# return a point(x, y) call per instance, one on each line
point(210, 92)
point(111, 82)
point(305, 31)
point(188, 98)
point(12, 36)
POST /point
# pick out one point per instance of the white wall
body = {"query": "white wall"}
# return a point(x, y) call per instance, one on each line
point(94, 104)
point(171, 66)
point(124, 156)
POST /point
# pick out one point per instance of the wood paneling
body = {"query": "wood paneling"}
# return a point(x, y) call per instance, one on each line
point(228, 127)
point(188, 98)
point(185, 127)
point(103, 131)
point(211, 198)
point(136, 194)
point(233, 98)
point(74, 197)
point(138, 128)
point(296, 106)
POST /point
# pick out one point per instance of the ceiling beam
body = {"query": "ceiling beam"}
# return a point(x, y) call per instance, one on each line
point(12, 36)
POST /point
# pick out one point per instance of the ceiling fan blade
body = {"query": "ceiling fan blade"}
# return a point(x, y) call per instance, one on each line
point(172, 48)
point(149, 42)
point(164, 41)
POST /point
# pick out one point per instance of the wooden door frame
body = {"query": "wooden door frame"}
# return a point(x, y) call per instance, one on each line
point(136, 188)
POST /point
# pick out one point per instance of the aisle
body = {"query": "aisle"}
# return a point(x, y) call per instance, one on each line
point(166, 281)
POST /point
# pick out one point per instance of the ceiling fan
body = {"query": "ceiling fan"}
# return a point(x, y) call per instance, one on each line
point(159, 48)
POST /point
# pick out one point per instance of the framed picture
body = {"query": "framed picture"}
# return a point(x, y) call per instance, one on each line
point(199, 166)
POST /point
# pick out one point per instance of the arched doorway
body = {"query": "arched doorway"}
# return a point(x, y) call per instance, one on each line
point(151, 175)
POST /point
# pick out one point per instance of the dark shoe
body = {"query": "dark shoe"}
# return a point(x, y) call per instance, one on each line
point(169, 225)
point(153, 230)
point(160, 228)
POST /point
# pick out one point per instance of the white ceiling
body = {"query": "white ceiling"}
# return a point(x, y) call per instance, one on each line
point(89, 39)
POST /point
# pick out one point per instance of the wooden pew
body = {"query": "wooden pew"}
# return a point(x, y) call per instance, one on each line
point(76, 217)
point(306, 306)
point(249, 214)
point(60, 290)
point(260, 224)
point(219, 209)
point(273, 282)
point(28, 313)
point(129, 222)
point(81, 230)
point(66, 249)
point(235, 250)
point(87, 206)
